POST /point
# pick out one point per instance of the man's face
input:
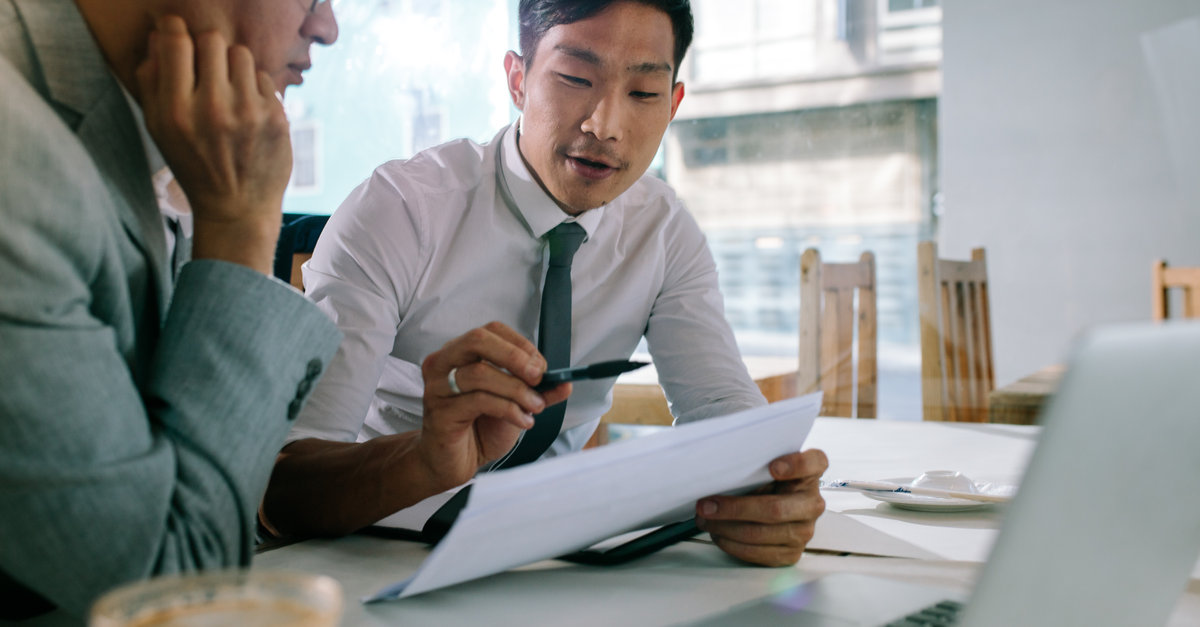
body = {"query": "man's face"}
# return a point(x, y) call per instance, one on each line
point(278, 32)
point(595, 103)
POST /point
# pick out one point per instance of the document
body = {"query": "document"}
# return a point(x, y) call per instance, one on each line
point(553, 507)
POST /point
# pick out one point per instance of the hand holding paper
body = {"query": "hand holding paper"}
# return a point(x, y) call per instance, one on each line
point(563, 504)
point(772, 526)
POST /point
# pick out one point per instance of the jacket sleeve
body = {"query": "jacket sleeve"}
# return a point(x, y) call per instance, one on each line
point(128, 449)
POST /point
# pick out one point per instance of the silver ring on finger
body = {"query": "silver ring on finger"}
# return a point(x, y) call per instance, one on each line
point(450, 379)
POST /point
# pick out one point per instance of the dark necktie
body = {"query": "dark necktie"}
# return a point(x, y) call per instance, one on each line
point(554, 342)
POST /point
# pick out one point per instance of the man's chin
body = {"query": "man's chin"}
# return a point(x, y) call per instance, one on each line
point(580, 206)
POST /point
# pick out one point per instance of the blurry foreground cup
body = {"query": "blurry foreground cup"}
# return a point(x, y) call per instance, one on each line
point(228, 597)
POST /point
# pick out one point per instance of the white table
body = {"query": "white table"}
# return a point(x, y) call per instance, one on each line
point(694, 579)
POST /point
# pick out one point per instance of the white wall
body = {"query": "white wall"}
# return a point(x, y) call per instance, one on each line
point(1057, 158)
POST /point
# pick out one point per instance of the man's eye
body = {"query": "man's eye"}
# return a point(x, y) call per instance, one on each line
point(575, 80)
point(643, 95)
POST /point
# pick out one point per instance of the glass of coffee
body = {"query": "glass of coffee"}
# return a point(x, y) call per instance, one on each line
point(227, 597)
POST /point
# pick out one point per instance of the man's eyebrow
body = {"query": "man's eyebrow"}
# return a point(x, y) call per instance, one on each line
point(583, 54)
point(650, 67)
point(591, 58)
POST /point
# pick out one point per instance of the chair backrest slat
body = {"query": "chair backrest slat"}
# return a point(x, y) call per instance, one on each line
point(830, 333)
point(956, 347)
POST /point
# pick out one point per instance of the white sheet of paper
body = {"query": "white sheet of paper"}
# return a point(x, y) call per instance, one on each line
point(414, 518)
point(538, 511)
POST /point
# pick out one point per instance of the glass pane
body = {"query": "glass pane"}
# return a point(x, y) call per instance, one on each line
point(402, 76)
point(807, 124)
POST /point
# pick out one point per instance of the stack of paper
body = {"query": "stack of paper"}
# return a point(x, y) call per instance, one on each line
point(538, 511)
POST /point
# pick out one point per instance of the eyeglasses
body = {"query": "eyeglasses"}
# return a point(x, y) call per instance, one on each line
point(315, 4)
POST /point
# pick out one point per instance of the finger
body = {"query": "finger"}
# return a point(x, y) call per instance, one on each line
point(176, 62)
point(761, 555)
point(510, 334)
point(802, 506)
point(212, 62)
point(242, 75)
point(484, 344)
point(484, 377)
point(522, 343)
point(147, 73)
point(810, 464)
point(460, 412)
point(266, 89)
point(781, 535)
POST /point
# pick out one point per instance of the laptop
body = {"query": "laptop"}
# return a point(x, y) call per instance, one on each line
point(1105, 528)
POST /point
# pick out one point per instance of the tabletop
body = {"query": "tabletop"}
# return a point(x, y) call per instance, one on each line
point(694, 579)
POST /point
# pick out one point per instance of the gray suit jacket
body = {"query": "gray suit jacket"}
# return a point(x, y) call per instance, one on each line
point(139, 416)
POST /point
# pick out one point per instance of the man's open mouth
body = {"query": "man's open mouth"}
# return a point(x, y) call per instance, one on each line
point(599, 165)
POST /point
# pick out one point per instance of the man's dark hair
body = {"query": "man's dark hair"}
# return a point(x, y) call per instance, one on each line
point(535, 17)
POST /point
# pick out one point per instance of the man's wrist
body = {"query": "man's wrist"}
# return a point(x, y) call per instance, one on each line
point(433, 464)
point(249, 242)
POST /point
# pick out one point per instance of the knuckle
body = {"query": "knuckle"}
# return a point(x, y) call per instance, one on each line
point(239, 53)
point(209, 39)
point(429, 364)
point(777, 509)
point(178, 117)
point(477, 335)
point(801, 534)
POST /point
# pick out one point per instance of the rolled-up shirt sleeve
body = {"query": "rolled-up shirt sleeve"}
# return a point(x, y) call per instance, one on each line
point(694, 349)
point(361, 266)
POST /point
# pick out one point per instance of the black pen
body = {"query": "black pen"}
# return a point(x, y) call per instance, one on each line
point(602, 370)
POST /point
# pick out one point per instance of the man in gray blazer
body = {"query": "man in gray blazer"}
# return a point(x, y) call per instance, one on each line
point(141, 407)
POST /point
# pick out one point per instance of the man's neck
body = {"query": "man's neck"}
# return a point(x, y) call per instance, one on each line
point(121, 29)
point(567, 210)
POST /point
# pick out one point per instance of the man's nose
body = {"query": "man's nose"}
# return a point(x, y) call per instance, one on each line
point(605, 119)
point(321, 25)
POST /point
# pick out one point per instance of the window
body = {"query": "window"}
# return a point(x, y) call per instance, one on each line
point(806, 124)
point(305, 158)
point(404, 75)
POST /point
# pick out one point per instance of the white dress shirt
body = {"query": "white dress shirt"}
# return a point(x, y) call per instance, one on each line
point(427, 249)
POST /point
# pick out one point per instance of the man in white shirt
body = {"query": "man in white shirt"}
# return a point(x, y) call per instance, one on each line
point(454, 239)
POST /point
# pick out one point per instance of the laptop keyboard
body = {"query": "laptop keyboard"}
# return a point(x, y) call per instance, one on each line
point(943, 614)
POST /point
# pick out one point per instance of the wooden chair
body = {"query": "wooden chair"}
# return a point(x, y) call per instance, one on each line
point(827, 334)
point(297, 239)
point(956, 336)
point(1166, 279)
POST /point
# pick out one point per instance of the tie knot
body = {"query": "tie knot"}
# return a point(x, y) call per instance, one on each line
point(564, 240)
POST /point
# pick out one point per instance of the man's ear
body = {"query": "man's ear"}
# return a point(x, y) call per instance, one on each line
point(514, 66)
point(676, 98)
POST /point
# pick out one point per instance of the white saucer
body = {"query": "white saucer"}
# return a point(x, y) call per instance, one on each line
point(923, 503)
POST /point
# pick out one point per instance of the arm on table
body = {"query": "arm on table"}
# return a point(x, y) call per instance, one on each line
point(321, 487)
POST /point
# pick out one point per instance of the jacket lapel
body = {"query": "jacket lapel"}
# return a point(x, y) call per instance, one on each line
point(90, 100)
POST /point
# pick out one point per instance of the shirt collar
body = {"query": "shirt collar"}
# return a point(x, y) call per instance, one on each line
point(540, 211)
